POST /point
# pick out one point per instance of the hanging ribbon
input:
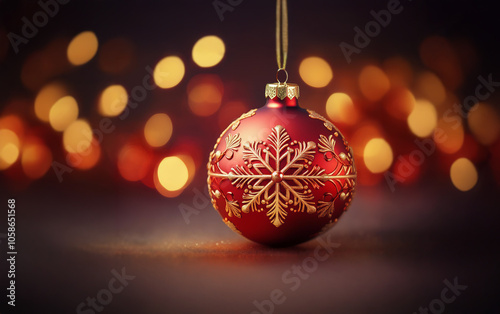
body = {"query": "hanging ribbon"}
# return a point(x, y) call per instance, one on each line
point(281, 33)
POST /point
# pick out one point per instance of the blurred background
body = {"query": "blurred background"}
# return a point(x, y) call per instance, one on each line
point(103, 92)
point(109, 109)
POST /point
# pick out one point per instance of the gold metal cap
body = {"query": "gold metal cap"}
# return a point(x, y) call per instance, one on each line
point(282, 90)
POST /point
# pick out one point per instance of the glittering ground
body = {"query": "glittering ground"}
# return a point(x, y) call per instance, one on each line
point(390, 253)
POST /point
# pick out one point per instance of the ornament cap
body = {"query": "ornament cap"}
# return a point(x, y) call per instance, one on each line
point(282, 90)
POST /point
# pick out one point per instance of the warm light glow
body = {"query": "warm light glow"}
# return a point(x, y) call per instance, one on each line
point(13, 123)
point(86, 158)
point(208, 51)
point(399, 103)
point(191, 166)
point(378, 155)
point(113, 101)
point(169, 72)
point(315, 72)
point(444, 58)
point(204, 100)
point(63, 113)
point(484, 123)
point(340, 108)
point(463, 174)
point(82, 48)
point(46, 98)
point(134, 162)
point(373, 82)
point(430, 87)
point(77, 137)
point(364, 132)
point(205, 95)
point(423, 119)
point(399, 71)
point(45, 63)
point(158, 130)
point(172, 173)
point(449, 134)
point(36, 159)
point(9, 148)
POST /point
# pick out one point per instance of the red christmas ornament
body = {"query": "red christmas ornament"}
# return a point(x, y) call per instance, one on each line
point(281, 175)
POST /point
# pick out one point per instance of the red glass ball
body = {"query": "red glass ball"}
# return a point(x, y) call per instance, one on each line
point(281, 175)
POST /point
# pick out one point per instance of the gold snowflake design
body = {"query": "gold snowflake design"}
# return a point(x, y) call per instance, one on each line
point(278, 175)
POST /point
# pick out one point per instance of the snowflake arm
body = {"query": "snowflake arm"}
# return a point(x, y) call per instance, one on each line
point(277, 207)
point(252, 199)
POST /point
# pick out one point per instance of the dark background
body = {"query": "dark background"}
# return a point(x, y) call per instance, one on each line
point(395, 249)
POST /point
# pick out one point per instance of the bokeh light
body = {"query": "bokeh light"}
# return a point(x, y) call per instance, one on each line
point(374, 102)
point(82, 48)
point(484, 123)
point(190, 165)
point(63, 113)
point(113, 101)
point(14, 123)
point(169, 72)
point(208, 51)
point(172, 173)
point(36, 158)
point(377, 155)
point(116, 55)
point(364, 132)
point(77, 137)
point(205, 94)
point(134, 162)
point(46, 98)
point(9, 148)
point(85, 158)
point(45, 63)
point(439, 55)
point(399, 103)
point(190, 146)
point(449, 134)
point(430, 87)
point(315, 72)
point(423, 119)
point(373, 83)
point(158, 130)
point(340, 109)
point(463, 174)
point(399, 71)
